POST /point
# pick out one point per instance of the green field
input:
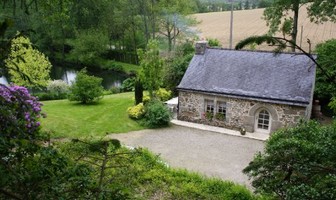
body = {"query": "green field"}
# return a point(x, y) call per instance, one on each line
point(73, 120)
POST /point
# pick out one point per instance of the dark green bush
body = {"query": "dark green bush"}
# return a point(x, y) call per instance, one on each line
point(86, 88)
point(45, 96)
point(157, 114)
point(297, 163)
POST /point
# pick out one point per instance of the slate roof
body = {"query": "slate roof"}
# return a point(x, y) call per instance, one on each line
point(286, 78)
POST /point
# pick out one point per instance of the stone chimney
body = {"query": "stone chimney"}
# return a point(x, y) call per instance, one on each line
point(200, 47)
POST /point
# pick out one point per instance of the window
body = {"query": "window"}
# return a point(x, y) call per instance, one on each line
point(263, 120)
point(209, 106)
point(221, 110)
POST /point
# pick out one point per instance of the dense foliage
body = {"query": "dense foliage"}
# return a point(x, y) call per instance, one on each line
point(88, 47)
point(137, 111)
point(28, 169)
point(297, 163)
point(19, 113)
point(138, 174)
point(128, 84)
point(225, 5)
point(151, 67)
point(84, 30)
point(86, 88)
point(163, 95)
point(157, 114)
point(25, 60)
point(176, 67)
point(326, 52)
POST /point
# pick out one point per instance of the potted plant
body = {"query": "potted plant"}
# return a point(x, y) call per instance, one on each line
point(242, 130)
point(220, 116)
point(209, 116)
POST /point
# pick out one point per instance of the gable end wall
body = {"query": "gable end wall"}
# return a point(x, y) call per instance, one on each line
point(240, 112)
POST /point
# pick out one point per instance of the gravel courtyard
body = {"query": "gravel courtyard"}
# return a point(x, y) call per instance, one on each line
point(210, 153)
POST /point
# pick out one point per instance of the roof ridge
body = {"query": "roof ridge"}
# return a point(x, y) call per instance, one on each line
point(261, 51)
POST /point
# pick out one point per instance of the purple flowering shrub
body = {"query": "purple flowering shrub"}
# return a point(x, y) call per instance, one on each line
point(19, 113)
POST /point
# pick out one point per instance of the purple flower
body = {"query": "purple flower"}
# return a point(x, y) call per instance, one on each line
point(19, 110)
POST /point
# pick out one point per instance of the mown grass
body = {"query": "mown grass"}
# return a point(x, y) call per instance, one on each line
point(73, 120)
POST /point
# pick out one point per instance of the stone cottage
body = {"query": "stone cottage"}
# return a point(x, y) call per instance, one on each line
point(255, 90)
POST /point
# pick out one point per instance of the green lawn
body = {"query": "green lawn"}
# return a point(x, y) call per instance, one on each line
point(72, 120)
point(106, 64)
point(128, 67)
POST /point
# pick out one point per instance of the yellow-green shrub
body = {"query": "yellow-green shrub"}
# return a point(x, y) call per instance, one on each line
point(145, 99)
point(136, 112)
point(163, 94)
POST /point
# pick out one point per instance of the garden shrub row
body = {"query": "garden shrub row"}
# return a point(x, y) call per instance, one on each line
point(152, 113)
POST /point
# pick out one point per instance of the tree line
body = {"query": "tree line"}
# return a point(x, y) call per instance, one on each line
point(82, 31)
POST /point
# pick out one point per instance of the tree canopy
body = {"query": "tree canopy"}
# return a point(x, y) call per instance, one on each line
point(297, 163)
point(24, 59)
point(279, 12)
point(152, 64)
point(325, 88)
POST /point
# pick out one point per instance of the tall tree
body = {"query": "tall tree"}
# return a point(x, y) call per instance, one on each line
point(247, 5)
point(152, 64)
point(173, 19)
point(318, 11)
point(56, 15)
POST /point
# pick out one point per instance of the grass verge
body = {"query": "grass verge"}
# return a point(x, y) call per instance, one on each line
point(73, 120)
point(139, 174)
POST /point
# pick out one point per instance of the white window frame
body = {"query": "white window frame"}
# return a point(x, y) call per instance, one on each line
point(262, 116)
point(221, 108)
point(209, 106)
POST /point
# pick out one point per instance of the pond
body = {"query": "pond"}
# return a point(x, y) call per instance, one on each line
point(110, 78)
point(3, 80)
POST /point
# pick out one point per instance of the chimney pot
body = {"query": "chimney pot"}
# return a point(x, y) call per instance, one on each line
point(200, 47)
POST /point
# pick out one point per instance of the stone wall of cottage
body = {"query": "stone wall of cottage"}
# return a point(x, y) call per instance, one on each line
point(239, 112)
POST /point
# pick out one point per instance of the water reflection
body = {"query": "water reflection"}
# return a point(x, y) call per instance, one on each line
point(110, 78)
point(69, 76)
point(3, 80)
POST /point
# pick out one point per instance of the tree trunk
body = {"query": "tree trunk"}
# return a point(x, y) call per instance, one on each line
point(142, 5)
point(295, 22)
point(153, 19)
point(138, 91)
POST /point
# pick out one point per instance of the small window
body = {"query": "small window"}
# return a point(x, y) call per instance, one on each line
point(221, 109)
point(209, 106)
point(263, 120)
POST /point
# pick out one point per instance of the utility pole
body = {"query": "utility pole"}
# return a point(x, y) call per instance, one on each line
point(231, 24)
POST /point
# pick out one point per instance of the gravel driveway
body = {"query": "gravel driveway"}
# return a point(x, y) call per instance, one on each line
point(210, 153)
